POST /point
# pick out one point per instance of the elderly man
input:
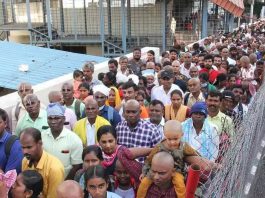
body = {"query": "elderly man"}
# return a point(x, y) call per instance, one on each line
point(69, 189)
point(134, 132)
point(124, 70)
point(70, 102)
point(87, 128)
point(88, 70)
point(195, 93)
point(50, 168)
point(156, 113)
point(200, 134)
point(35, 117)
point(186, 65)
point(162, 92)
point(19, 110)
point(101, 93)
point(161, 175)
point(225, 56)
point(194, 72)
point(247, 70)
point(61, 142)
point(70, 117)
point(179, 78)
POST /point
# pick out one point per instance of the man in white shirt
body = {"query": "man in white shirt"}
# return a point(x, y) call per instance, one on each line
point(225, 56)
point(247, 71)
point(162, 92)
point(61, 142)
point(185, 67)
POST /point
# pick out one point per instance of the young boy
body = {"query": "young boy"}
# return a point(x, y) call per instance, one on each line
point(78, 78)
point(172, 143)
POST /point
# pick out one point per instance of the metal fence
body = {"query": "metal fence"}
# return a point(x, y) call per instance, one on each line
point(118, 26)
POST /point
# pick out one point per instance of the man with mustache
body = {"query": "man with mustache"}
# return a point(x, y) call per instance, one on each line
point(61, 142)
point(37, 159)
point(223, 122)
point(35, 116)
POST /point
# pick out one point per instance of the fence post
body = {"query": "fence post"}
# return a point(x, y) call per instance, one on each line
point(123, 26)
point(49, 24)
point(164, 7)
point(102, 34)
point(29, 21)
point(204, 18)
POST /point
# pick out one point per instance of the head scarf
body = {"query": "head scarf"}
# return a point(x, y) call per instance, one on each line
point(117, 97)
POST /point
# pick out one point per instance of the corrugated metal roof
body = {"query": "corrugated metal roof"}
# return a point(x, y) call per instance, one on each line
point(44, 64)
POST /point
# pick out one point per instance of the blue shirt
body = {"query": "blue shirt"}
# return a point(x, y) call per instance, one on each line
point(206, 142)
point(116, 118)
point(15, 157)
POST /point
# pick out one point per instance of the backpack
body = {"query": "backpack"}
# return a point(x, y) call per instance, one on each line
point(77, 109)
point(9, 143)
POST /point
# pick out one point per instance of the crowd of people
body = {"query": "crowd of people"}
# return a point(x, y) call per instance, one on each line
point(134, 130)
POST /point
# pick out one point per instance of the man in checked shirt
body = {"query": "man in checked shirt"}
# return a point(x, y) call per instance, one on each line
point(135, 132)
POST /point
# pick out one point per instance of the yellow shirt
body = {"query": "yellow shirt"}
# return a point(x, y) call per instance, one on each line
point(224, 123)
point(51, 170)
point(80, 128)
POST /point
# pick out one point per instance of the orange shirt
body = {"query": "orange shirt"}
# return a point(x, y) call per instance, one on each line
point(144, 113)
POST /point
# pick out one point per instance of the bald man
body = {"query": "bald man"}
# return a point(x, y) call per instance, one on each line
point(195, 94)
point(135, 132)
point(69, 189)
point(87, 127)
point(172, 144)
point(70, 117)
point(161, 176)
point(35, 116)
point(72, 103)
